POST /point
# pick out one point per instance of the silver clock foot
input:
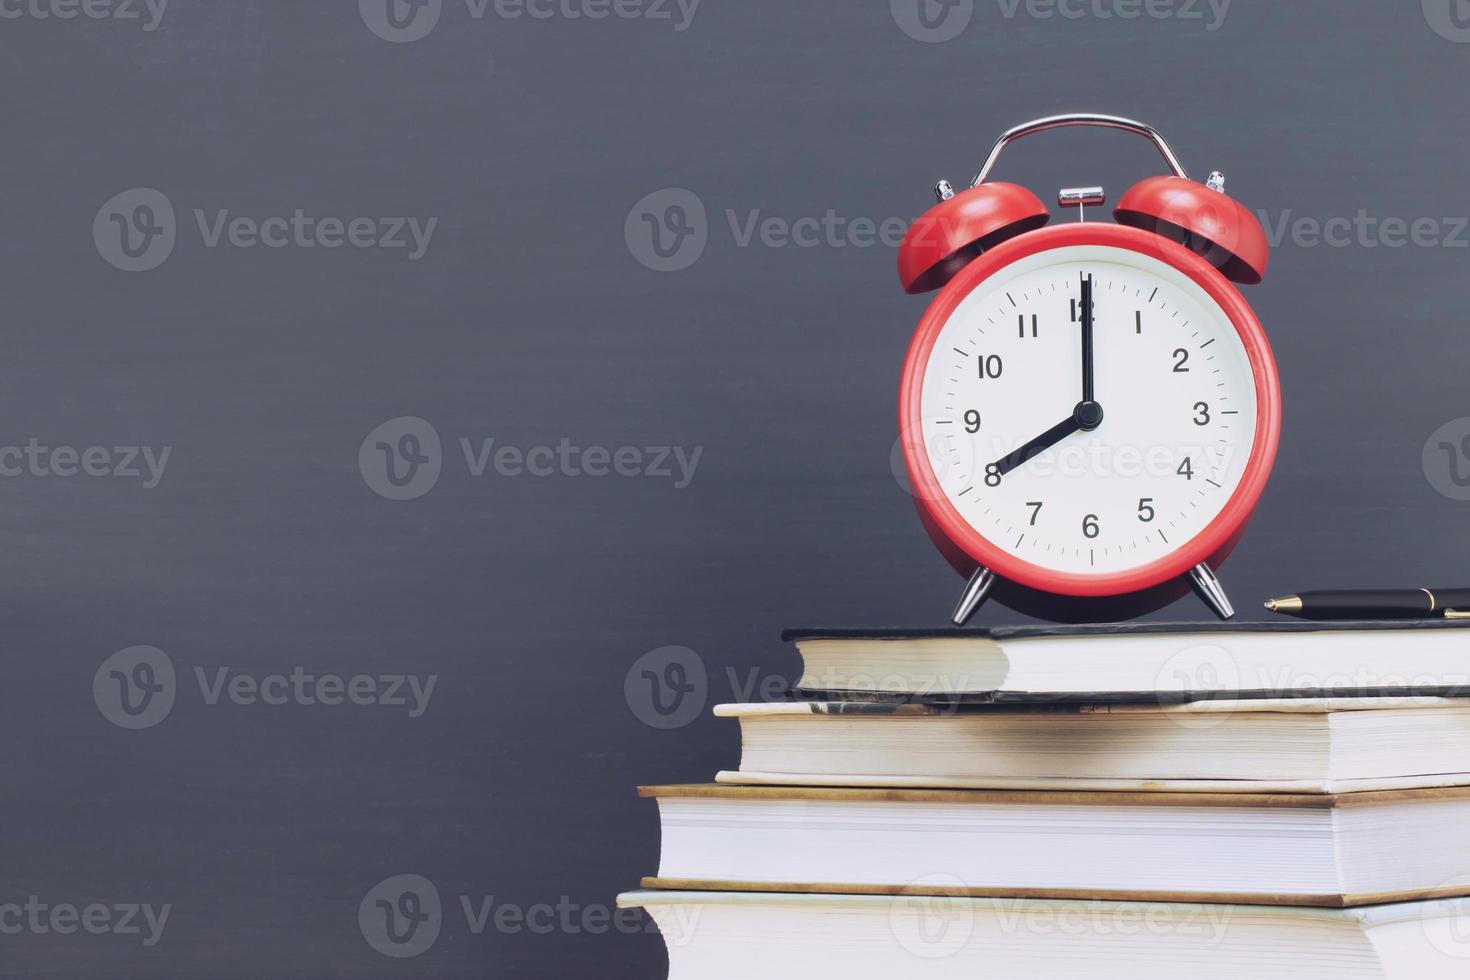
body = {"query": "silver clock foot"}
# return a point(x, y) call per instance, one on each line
point(975, 592)
point(1210, 590)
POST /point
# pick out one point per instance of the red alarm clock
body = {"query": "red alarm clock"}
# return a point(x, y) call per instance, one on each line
point(1088, 409)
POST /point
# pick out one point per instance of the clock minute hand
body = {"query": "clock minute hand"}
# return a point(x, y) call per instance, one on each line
point(1038, 445)
point(1088, 387)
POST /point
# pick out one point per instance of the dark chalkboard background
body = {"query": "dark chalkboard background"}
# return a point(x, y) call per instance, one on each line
point(269, 547)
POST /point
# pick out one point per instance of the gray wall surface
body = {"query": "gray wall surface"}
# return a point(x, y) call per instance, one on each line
point(210, 655)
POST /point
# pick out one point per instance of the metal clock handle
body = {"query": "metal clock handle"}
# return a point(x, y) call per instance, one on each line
point(1080, 119)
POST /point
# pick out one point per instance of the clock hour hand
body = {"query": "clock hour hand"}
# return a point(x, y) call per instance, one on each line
point(1038, 445)
point(1085, 417)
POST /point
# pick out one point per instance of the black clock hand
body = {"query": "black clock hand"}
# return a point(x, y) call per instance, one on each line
point(1088, 414)
point(1089, 393)
point(1038, 445)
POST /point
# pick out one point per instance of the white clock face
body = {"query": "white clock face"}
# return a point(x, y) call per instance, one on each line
point(1017, 446)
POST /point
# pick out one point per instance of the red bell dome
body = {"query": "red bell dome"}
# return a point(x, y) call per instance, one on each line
point(953, 232)
point(1202, 219)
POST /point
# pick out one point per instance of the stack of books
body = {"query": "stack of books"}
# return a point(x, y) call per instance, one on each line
point(1150, 801)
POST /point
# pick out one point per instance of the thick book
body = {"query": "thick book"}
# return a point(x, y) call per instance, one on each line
point(1254, 849)
point(734, 936)
point(1138, 662)
point(1295, 746)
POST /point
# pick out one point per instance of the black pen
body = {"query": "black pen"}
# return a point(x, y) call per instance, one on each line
point(1376, 604)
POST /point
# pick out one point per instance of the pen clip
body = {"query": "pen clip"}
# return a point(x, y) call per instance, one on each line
point(1456, 614)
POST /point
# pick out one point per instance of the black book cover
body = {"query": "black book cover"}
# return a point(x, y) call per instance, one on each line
point(1020, 698)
